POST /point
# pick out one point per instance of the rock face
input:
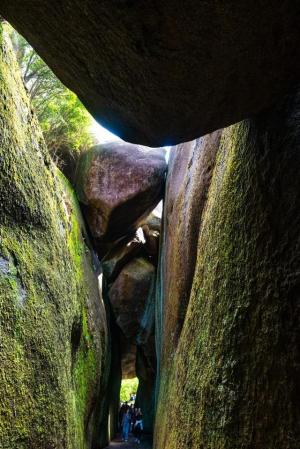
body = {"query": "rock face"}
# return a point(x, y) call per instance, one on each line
point(66, 160)
point(236, 367)
point(146, 372)
point(159, 73)
point(131, 297)
point(189, 174)
point(53, 330)
point(120, 255)
point(119, 184)
point(128, 357)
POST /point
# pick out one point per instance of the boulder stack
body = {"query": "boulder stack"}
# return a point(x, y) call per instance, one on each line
point(119, 184)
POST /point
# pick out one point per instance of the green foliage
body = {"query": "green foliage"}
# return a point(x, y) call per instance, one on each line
point(128, 387)
point(64, 120)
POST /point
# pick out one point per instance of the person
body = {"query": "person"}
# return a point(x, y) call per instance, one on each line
point(122, 411)
point(126, 425)
point(133, 418)
point(139, 414)
point(138, 426)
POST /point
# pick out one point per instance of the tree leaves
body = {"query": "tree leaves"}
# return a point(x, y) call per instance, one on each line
point(64, 120)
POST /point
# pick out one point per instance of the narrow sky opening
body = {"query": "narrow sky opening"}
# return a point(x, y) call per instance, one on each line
point(102, 134)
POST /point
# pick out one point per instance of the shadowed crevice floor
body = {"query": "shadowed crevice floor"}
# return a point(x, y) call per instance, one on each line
point(117, 443)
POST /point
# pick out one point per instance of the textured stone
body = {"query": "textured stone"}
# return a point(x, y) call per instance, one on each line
point(189, 174)
point(146, 373)
point(128, 357)
point(151, 243)
point(159, 73)
point(53, 344)
point(153, 222)
point(120, 184)
point(132, 298)
point(235, 373)
point(120, 255)
point(66, 159)
point(110, 408)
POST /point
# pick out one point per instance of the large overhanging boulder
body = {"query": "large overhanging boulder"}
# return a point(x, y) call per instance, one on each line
point(119, 183)
point(162, 72)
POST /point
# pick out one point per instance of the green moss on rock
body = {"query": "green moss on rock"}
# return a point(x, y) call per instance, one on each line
point(235, 374)
point(53, 331)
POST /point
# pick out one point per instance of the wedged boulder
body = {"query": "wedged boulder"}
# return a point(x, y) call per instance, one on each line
point(119, 184)
point(129, 271)
point(122, 253)
point(145, 244)
point(54, 337)
point(235, 373)
point(132, 299)
point(128, 357)
point(153, 222)
point(159, 73)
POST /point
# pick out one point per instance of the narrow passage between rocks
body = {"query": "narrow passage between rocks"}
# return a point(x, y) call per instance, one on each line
point(117, 443)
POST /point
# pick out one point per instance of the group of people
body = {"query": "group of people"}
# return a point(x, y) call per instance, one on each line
point(131, 420)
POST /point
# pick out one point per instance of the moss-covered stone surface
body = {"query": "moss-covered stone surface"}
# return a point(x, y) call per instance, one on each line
point(235, 376)
point(52, 321)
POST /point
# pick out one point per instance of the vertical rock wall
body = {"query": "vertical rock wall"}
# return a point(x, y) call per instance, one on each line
point(53, 332)
point(146, 373)
point(234, 379)
point(189, 174)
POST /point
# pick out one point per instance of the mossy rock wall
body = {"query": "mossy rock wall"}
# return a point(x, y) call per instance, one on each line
point(234, 382)
point(53, 333)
